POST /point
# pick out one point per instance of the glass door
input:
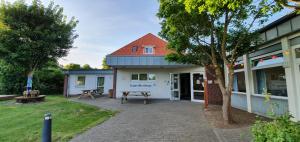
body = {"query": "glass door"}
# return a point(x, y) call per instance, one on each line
point(175, 93)
point(197, 87)
point(100, 84)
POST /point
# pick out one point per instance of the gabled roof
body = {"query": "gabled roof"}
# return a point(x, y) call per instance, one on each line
point(160, 47)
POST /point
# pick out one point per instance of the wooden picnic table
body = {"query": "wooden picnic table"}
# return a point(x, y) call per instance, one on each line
point(89, 93)
point(145, 94)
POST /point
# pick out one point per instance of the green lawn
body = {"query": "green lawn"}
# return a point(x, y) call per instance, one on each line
point(23, 122)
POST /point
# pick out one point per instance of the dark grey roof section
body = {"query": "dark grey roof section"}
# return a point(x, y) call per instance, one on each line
point(92, 71)
point(142, 61)
point(278, 21)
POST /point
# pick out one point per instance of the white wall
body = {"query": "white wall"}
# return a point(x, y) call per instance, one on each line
point(90, 83)
point(159, 88)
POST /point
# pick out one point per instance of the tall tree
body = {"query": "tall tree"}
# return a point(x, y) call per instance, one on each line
point(86, 67)
point(72, 66)
point(213, 32)
point(104, 65)
point(35, 34)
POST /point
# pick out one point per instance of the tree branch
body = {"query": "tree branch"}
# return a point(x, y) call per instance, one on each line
point(224, 37)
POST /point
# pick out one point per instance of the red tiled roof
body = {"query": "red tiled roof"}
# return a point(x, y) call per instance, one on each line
point(160, 47)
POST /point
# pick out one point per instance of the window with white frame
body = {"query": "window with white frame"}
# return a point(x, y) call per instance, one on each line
point(272, 79)
point(134, 49)
point(239, 77)
point(148, 50)
point(134, 76)
point(269, 74)
point(80, 81)
point(151, 76)
point(239, 82)
point(143, 76)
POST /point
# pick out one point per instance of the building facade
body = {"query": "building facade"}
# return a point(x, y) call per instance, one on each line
point(141, 66)
point(273, 70)
point(78, 80)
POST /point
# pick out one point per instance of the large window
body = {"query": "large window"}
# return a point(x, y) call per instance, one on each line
point(239, 82)
point(80, 81)
point(143, 76)
point(271, 79)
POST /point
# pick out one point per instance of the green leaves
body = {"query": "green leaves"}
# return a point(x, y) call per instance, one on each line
point(32, 35)
point(213, 7)
point(281, 129)
point(36, 34)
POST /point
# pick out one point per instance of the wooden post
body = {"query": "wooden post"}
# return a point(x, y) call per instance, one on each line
point(66, 85)
point(114, 82)
point(205, 94)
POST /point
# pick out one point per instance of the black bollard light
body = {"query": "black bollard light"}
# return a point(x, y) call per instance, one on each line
point(46, 137)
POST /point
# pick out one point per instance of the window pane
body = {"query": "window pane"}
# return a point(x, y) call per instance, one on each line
point(175, 83)
point(239, 82)
point(134, 77)
point(143, 76)
point(297, 52)
point(148, 50)
point(151, 76)
point(198, 81)
point(100, 81)
point(272, 79)
point(199, 95)
point(134, 49)
point(80, 80)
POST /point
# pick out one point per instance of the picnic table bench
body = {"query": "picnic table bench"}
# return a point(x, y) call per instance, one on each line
point(90, 93)
point(144, 94)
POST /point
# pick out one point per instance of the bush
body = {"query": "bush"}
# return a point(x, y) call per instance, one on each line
point(49, 80)
point(12, 79)
point(281, 129)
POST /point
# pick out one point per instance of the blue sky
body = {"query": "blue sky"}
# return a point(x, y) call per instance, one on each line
point(106, 25)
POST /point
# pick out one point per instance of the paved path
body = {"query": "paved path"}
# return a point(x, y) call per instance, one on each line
point(160, 121)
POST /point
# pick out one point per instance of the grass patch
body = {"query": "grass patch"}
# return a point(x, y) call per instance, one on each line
point(24, 122)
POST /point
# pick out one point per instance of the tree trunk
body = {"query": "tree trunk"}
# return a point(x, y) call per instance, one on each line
point(226, 91)
point(29, 81)
point(226, 108)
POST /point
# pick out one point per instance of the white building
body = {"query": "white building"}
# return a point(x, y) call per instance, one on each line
point(78, 80)
point(141, 66)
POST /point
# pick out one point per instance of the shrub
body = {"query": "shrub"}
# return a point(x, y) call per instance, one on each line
point(281, 129)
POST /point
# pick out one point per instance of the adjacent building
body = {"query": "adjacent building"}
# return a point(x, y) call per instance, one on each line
point(78, 80)
point(273, 70)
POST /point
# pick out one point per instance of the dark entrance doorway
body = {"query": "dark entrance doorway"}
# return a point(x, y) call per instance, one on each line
point(185, 86)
